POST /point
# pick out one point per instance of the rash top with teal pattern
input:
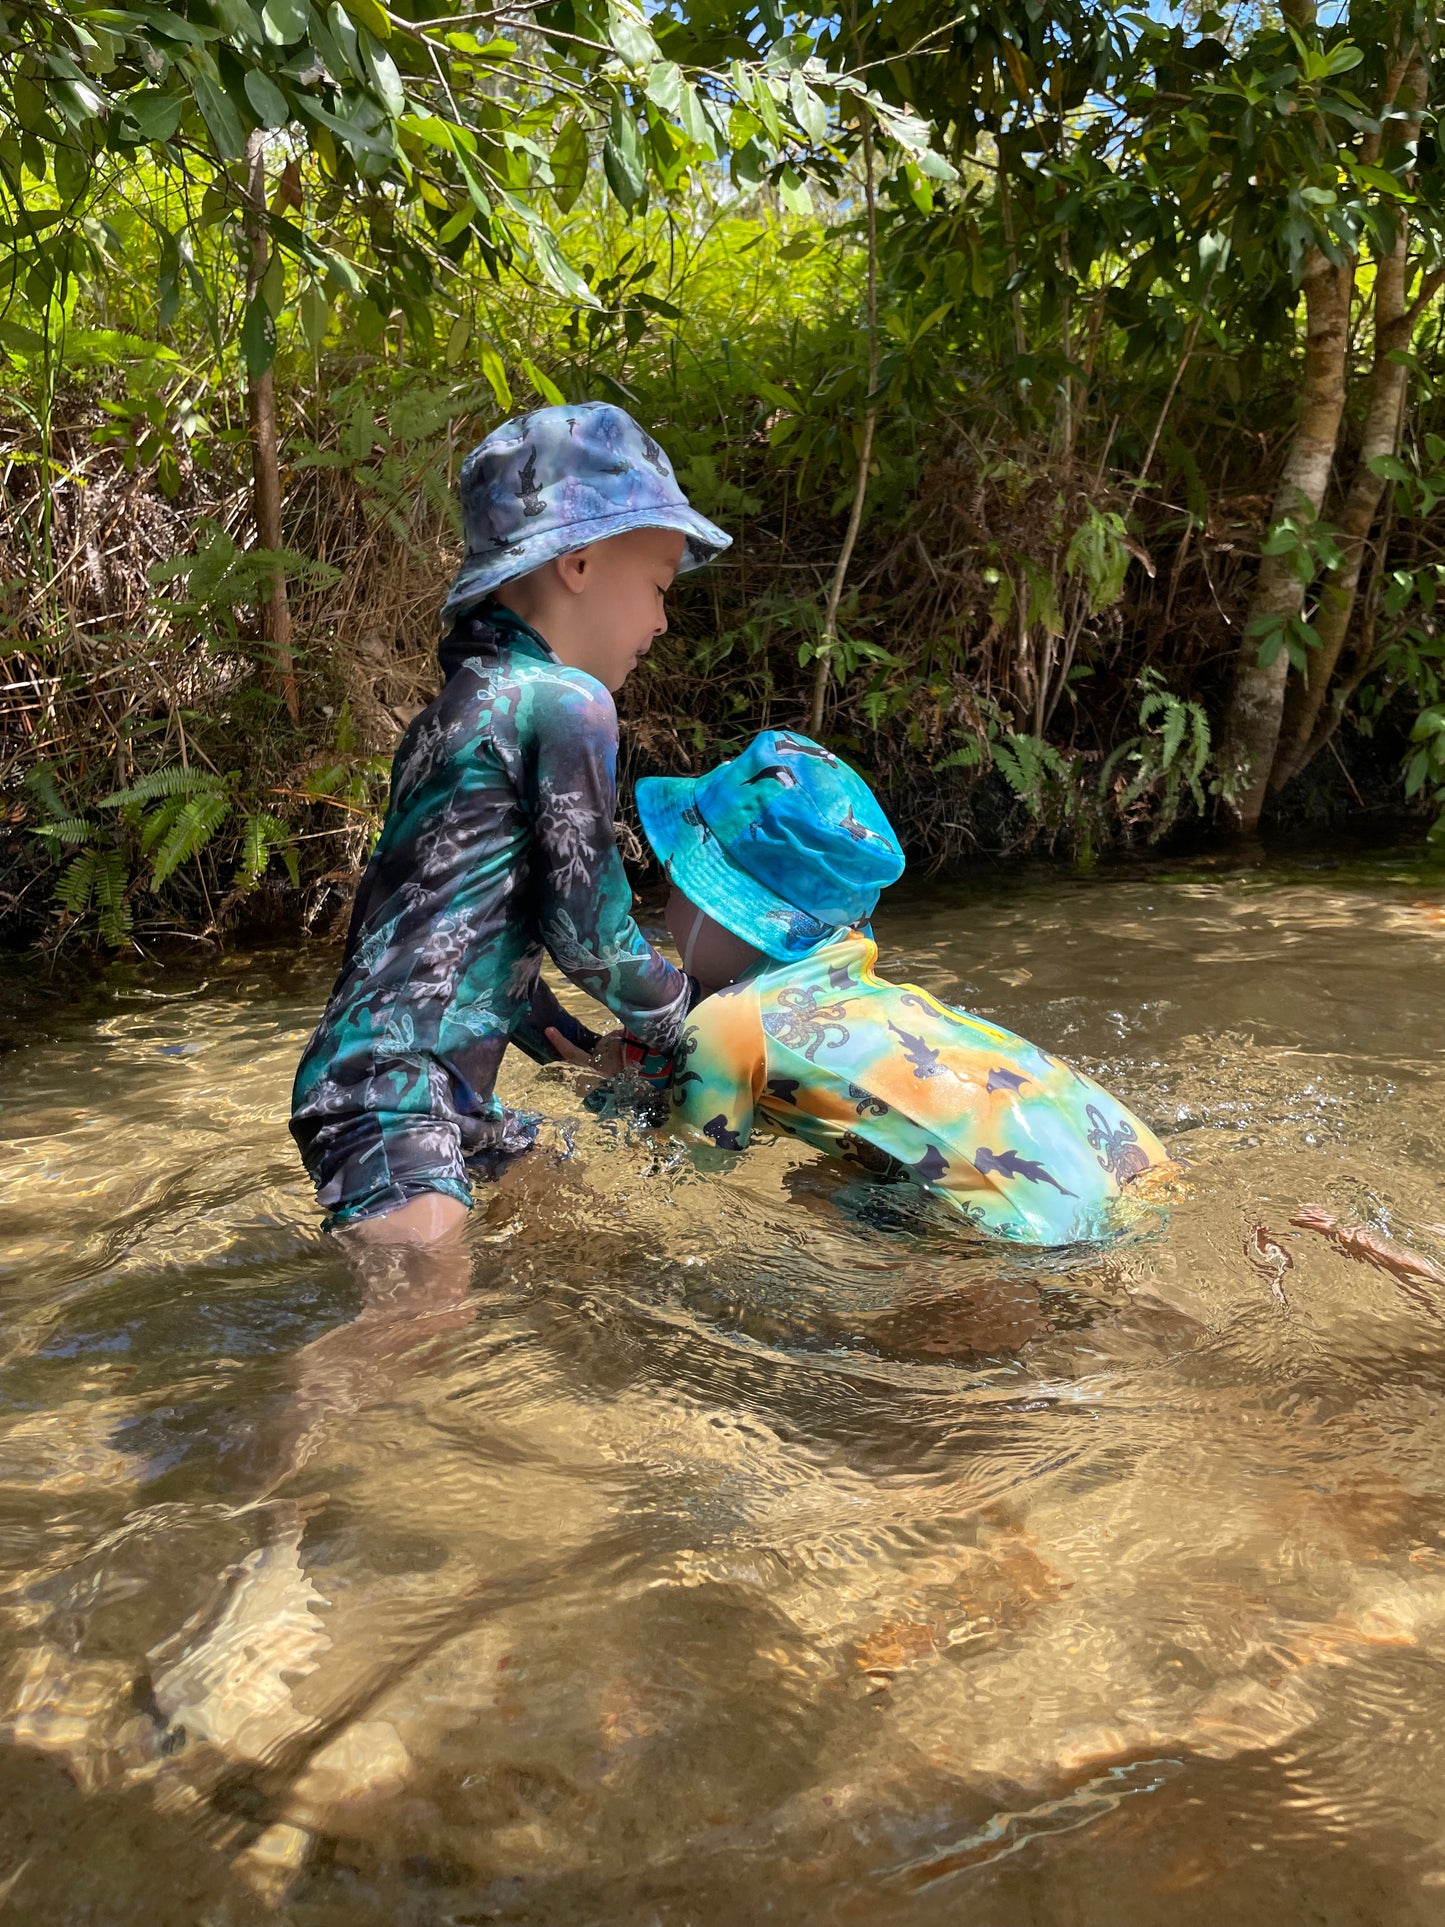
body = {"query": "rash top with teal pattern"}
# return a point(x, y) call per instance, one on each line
point(1016, 1139)
point(498, 844)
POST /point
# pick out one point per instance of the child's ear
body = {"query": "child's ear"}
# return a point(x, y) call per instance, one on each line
point(572, 569)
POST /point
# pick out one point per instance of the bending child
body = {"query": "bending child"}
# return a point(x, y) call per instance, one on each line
point(498, 840)
point(776, 860)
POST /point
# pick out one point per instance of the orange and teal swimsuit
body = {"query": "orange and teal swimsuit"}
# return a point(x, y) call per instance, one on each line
point(1021, 1143)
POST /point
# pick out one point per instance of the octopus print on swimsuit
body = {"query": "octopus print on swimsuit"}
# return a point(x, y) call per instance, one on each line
point(1019, 1142)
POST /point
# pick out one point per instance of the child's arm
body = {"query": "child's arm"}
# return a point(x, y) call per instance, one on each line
point(584, 902)
point(547, 1025)
point(719, 1069)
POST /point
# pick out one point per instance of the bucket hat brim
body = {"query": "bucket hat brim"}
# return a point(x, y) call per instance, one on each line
point(479, 575)
point(694, 860)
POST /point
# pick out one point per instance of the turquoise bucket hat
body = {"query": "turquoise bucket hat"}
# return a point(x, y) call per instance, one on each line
point(559, 478)
point(785, 845)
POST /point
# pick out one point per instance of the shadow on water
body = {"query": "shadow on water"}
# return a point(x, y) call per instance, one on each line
point(705, 1547)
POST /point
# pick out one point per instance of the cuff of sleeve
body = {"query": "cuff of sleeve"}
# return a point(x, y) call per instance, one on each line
point(654, 1067)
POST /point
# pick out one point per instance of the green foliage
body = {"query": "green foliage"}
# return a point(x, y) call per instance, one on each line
point(1092, 224)
point(166, 819)
point(1425, 768)
point(444, 142)
point(1169, 758)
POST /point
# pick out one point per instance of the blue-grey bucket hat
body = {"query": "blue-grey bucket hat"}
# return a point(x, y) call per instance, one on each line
point(785, 845)
point(556, 480)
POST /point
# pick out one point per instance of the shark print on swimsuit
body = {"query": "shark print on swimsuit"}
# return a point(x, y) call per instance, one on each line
point(1009, 1164)
point(978, 1117)
point(923, 1058)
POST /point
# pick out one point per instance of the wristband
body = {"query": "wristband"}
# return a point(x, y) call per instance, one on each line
point(654, 1067)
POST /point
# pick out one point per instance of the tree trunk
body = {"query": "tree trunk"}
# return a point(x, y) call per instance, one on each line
point(265, 457)
point(828, 640)
point(1337, 593)
point(1304, 733)
point(1252, 726)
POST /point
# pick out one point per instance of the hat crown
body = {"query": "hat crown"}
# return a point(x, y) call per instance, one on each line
point(558, 479)
point(558, 468)
point(800, 822)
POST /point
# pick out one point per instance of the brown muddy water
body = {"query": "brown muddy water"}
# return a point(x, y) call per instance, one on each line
point(704, 1549)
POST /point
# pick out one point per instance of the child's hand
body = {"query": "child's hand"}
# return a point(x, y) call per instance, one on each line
point(605, 1059)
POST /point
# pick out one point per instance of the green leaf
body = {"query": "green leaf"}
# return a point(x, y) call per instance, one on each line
point(258, 337)
point(622, 158)
point(629, 34)
point(372, 16)
point(381, 71)
point(285, 21)
point(808, 111)
point(222, 121)
point(267, 99)
point(349, 132)
point(569, 165)
point(793, 192)
point(458, 335)
point(698, 126)
point(766, 109)
point(556, 269)
point(664, 86)
point(1389, 468)
point(748, 165)
point(273, 283)
point(548, 390)
point(315, 315)
point(155, 113)
point(496, 375)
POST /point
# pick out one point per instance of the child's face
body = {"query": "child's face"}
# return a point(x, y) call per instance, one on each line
point(614, 602)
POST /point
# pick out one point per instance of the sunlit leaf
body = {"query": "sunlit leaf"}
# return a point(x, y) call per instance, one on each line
point(381, 71)
point(545, 387)
point(285, 21)
point(495, 373)
point(664, 86)
point(629, 34)
point(258, 336)
point(267, 99)
point(222, 121)
point(371, 15)
point(558, 270)
point(569, 165)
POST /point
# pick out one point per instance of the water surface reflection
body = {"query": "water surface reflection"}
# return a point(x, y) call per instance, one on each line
point(705, 1550)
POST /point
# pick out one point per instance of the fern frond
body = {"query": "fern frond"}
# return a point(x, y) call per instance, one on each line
point(173, 780)
point(112, 882)
point(76, 888)
point(156, 822)
point(73, 830)
point(42, 784)
point(261, 834)
point(195, 824)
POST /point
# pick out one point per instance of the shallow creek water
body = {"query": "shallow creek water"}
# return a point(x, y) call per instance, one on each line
point(697, 1550)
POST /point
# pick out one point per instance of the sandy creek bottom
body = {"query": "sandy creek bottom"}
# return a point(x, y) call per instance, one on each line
point(697, 1551)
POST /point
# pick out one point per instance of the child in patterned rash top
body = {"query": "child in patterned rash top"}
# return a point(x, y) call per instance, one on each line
point(776, 861)
point(498, 841)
